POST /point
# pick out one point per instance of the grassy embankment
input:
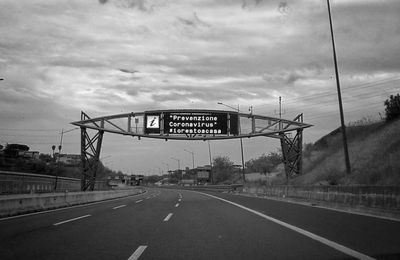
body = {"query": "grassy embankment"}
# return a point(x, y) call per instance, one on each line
point(374, 154)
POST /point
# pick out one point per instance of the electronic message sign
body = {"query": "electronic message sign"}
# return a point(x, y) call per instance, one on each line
point(191, 123)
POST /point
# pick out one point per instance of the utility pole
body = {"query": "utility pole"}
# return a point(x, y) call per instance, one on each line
point(343, 126)
point(280, 112)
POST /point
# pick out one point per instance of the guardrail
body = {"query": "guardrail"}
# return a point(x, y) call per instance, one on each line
point(23, 183)
point(219, 188)
point(381, 197)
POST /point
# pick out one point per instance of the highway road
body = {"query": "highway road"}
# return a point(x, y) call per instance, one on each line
point(179, 224)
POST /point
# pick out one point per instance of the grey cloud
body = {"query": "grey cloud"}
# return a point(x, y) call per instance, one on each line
point(128, 71)
point(208, 94)
point(248, 3)
point(141, 5)
point(283, 8)
point(292, 78)
point(194, 21)
point(186, 22)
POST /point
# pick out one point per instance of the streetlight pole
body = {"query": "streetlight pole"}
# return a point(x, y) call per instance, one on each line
point(192, 156)
point(179, 165)
point(241, 141)
point(167, 167)
point(59, 154)
point(343, 126)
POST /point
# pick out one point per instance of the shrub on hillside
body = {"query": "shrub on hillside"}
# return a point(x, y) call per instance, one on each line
point(392, 107)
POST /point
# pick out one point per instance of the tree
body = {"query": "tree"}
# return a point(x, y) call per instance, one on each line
point(264, 163)
point(392, 109)
point(222, 168)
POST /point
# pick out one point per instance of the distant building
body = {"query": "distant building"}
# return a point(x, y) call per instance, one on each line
point(203, 173)
point(69, 159)
point(29, 154)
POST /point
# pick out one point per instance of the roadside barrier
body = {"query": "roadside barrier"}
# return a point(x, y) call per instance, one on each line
point(380, 197)
point(19, 183)
point(26, 203)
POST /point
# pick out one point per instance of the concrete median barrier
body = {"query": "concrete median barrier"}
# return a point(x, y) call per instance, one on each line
point(25, 203)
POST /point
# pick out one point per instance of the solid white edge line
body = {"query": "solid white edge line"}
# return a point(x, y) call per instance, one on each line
point(71, 207)
point(177, 205)
point(69, 220)
point(137, 253)
point(138, 201)
point(339, 247)
point(120, 206)
point(168, 217)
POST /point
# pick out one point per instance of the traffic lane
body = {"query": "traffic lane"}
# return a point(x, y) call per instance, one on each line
point(205, 228)
point(113, 234)
point(30, 222)
point(372, 236)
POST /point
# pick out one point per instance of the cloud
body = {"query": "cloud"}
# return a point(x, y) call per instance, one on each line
point(128, 71)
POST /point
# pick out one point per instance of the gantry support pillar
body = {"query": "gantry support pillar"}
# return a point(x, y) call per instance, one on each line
point(292, 154)
point(292, 148)
point(90, 154)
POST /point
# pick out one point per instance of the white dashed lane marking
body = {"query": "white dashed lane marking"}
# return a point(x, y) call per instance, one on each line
point(120, 206)
point(138, 201)
point(168, 217)
point(177, 205)
point(139, 251)
point(70, 220)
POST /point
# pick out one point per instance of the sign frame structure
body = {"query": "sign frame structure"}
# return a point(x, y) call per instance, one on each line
point(189, 124)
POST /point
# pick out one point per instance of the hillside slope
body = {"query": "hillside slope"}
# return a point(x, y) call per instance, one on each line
point(374, 154)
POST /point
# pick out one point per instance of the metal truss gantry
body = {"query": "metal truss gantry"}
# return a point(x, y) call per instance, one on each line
point(90, 154)
point(132, 124)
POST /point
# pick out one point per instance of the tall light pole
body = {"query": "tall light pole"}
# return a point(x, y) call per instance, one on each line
point(241, 141)
point(59, 154)
point(179, 165)
point(343, 126)
point(179, 162)
point(167, 167)
point(192, 156)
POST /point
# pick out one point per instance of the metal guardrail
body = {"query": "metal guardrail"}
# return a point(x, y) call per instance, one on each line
point(383, 197)
point(23, 183)
point(219, 188)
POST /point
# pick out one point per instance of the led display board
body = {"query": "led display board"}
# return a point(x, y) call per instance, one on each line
point(191, 123)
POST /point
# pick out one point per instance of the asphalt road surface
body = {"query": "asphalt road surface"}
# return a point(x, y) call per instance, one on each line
point(178, 224)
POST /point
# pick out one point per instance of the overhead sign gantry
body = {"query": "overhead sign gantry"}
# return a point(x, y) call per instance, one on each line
point(189, 124)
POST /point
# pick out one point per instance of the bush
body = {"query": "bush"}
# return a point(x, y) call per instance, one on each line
point(392, 107)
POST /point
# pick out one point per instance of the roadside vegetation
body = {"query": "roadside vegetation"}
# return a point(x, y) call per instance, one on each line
point(48, 165)
point(374, 148)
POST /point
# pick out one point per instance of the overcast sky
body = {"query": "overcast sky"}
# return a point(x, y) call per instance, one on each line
point(115, 56)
